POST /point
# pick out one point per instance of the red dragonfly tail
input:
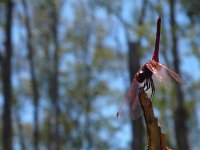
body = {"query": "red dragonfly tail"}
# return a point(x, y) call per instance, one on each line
point(156, 50)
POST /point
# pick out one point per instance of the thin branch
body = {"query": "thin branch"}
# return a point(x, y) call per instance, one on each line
point(156, 138)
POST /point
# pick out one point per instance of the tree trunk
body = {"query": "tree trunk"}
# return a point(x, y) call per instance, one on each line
point(87, 99)
point(181, 129)
point(33, 77)
point(49, 130)
point(54, 79)
point(137, 125)
point(134, 65)
point(50, 112)
point(6, 79)
point(21, 132)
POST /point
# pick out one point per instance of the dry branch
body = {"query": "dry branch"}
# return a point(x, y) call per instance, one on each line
point(156, 138)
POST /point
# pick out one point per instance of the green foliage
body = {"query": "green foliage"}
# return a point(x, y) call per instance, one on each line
point(192, 9)
point(92, 67)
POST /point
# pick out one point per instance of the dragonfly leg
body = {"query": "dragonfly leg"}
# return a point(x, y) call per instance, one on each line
point(152, 88)
point(147, 85)
point(144, 85)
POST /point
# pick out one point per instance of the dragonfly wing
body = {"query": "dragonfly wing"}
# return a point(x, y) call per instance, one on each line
point(159, 73)
point(132, 99)
point(163, 77)
point(136, 111)
point(176, 76)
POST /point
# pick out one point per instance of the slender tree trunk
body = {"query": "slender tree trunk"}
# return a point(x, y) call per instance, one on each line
point(54, 81)
point(87, 99)
point(181, 129)
point(137, 125)
point(21, 133)
point(49, 130)
point(6, 65)
point(50, 113)
point(134, 64)
point(33, 77)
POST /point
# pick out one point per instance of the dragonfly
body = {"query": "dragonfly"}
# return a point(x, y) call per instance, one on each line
point(152, 68)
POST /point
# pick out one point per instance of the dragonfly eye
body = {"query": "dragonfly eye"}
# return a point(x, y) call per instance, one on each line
point(141, 76)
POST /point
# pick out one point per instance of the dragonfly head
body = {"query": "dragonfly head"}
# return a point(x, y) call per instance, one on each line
point(143, 74)
point(140, 76)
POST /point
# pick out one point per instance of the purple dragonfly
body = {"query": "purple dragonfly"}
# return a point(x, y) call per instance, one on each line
point(144, 77)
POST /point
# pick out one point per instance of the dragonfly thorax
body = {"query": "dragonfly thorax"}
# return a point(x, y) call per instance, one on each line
point(143, 74)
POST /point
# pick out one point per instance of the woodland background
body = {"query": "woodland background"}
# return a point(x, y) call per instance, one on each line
point(66, 66)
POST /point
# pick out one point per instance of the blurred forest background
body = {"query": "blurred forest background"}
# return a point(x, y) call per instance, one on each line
point(66, 66)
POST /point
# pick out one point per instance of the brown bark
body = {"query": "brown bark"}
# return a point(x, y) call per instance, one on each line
point(156, 139)
point(137, 125)
point(34, 83)
point(181, 129)
point(6, 67)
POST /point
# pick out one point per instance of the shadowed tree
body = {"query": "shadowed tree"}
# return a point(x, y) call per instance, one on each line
point(181, 129)
point(34, 83)
point(6, 66)
point(137, 125)
point(54, 84)
point(47, 24)
point(21, 132)
point(134, 64)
